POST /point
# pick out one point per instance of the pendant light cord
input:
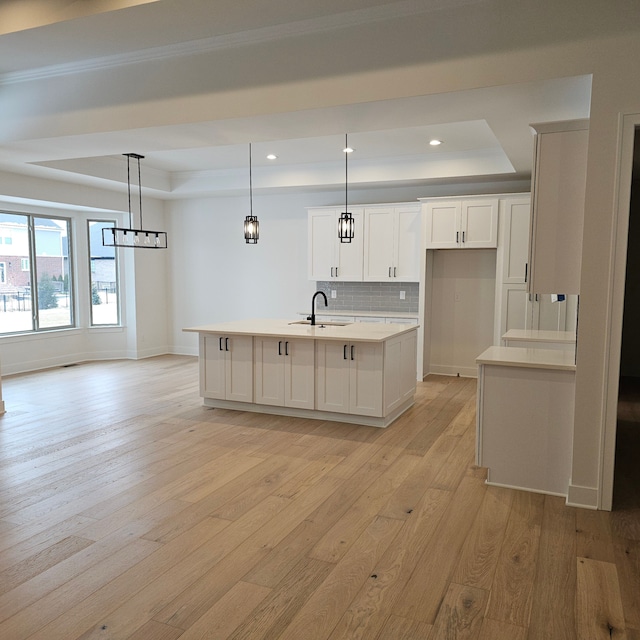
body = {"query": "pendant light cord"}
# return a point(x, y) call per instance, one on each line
point(140, 191)
point(346, 156)
point(250, 185)
point(129, 156)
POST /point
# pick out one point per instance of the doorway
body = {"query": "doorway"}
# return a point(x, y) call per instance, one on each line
point(626, 483)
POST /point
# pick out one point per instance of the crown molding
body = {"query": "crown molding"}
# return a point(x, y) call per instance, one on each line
point(347, 19)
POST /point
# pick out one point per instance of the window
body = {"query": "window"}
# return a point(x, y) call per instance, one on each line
point(103, 268)
point(39, 253)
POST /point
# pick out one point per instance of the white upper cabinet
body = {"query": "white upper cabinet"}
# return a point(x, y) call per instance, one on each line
point(515, 239)
point(558, 192)
point(392, 243)
point(462, 224)
point(330, 259)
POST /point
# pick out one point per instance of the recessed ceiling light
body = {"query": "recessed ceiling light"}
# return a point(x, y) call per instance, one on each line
point(272, 156)
point(347, 150)
point(435, 143)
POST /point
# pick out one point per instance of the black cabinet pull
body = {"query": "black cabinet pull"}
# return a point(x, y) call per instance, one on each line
point(344, 352)
point(286, 348)
point(220, 344)
point(352, 351)
point(332, 272)
point(394, 272)
point(457, 237)
point(279, 347)
point(526, 270)
point(226, 344)
point(389, 271)
point(463, 237)
point(336, 272)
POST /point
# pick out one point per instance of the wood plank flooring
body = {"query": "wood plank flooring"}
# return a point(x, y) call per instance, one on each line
point(130, 511)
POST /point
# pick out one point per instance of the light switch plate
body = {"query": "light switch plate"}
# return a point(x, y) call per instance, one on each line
point(334, 293)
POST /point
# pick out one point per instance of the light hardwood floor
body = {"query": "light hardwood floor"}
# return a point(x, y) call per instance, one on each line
point(129, 510)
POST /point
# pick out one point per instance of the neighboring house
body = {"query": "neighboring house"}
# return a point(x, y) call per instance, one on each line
point(103, 260)
point(14, 252)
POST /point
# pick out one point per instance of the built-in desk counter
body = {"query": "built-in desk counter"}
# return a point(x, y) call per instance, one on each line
point(540, 339)
point(525, 417)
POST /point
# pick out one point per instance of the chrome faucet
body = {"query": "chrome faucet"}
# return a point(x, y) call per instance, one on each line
point(312, 317)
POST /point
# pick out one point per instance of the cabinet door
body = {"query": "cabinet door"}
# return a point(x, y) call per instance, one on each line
point(479, 224)
point(212, 366)
point(365, 379)
point(239, 369)
point(558, 211)
point(443, 220)
point(269, 365)
point(517, 311)
point(379, 244)
point(349, 261)
point(515, 237)
point(322, 235)
point(332, 376)
point(407, 245)
point(299, 374)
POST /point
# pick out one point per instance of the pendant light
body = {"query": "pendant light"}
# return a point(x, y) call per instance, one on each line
point(251, 224)
point(346, 223)
point(130, 237)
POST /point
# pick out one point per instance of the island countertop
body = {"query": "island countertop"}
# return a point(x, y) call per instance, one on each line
point(352, 332)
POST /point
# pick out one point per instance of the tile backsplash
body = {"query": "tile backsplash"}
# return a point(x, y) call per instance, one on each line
point(371, 296)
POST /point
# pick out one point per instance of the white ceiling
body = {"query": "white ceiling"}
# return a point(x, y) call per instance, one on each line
point(485, 132)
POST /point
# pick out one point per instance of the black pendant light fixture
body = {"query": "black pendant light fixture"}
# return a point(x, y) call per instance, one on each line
point(130, 237)
point(346, 223)
point(251, 224)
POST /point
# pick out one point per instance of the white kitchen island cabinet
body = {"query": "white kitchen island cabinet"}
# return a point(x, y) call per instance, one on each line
point(284, 372)
point(349, 377)
point(226, 367)
point(363, 373)
point(525, 418)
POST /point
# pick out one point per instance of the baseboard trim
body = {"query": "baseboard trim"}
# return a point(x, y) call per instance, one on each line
point(583, 497)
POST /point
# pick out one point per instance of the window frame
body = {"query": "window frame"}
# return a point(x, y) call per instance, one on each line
point(32, 269)
point(116, 254)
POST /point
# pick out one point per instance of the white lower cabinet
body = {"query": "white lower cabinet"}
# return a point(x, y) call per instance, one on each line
point(349, 377)
point(284, 372)
point(226, 367)
point(371, 379)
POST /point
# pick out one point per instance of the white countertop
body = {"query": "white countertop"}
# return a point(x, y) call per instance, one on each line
point(537, 335)
point(353, 332)
point(531, 358)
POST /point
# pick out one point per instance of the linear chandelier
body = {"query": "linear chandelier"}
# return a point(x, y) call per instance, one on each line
point(130, 237)
point(346, 223)
point(251, 223)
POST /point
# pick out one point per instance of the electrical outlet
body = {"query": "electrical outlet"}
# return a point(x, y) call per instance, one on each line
point(403, 295)
point(334, 293)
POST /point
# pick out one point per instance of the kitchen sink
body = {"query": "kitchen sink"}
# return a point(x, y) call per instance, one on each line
point(322, 324)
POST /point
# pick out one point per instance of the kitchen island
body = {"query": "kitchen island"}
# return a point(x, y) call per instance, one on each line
point(356, 372)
